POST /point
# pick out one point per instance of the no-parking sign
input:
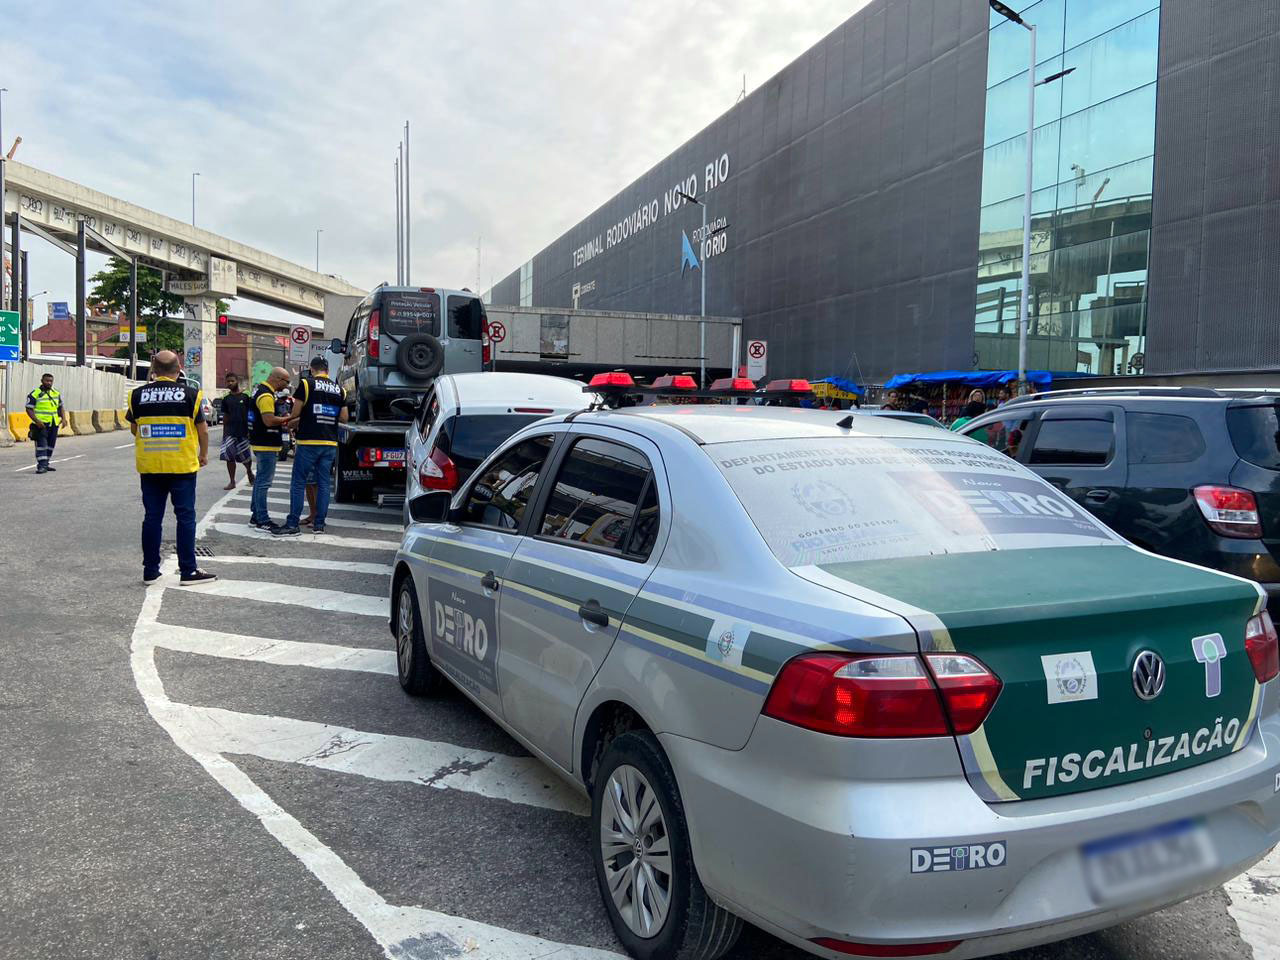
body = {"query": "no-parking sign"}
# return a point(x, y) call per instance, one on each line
point(757, 358)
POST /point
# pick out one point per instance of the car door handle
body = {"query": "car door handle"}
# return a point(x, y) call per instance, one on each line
point(489, 581)
point(1098, 496)
point(592, 612)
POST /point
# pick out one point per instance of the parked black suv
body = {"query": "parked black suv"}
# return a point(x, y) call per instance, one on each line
point(1188, 472)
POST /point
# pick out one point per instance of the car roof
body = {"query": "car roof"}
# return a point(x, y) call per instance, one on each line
point(715, 423)
point(501, 391)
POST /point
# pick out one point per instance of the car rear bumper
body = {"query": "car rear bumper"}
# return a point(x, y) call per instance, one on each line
point(812, 837)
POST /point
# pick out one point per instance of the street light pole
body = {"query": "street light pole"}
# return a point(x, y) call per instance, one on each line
point(702, 269)
point(193, 198)
point(319, 230)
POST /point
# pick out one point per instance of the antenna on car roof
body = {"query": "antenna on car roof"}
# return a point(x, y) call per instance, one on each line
point(845, 423)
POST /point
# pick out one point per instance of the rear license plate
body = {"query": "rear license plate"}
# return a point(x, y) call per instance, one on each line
point(1138, 864)
point(382, 457)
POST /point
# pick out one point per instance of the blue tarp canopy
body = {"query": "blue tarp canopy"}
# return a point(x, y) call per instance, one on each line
point(969, 378)
point(843, 384)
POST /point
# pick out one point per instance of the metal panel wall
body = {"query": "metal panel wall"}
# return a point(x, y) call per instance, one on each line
point(1215, 246)
point(851, 205)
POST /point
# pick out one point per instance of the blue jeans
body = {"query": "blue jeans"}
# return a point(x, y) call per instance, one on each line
point(264, 473)
point(157, 490)
point(312, 463)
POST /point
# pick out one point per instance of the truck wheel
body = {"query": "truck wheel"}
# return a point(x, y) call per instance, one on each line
point(644, 862)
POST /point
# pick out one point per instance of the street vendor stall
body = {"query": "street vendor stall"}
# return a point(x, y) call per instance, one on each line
point(846, 391)
point(943, 393)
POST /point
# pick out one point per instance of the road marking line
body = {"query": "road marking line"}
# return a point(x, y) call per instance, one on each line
point(306, 563)
point(285, 653)
point(310, 598)
point(336, 521)
point(402, 932)
point(123, 445)
point(1254, 901)
point(357, 543)
point(32, 466)
point(385, 757)
point(333, 505)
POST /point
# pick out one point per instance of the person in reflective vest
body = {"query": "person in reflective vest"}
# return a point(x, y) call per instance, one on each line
point(318, 407)
point(171, 444)
point(265, 437)
point(44, 407)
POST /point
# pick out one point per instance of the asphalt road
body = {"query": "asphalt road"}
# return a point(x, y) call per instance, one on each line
point(233, 771)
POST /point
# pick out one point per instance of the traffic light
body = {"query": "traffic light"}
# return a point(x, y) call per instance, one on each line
point(223, 324)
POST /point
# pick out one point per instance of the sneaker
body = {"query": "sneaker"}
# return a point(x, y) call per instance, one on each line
point(150, 578)
point(42, 469)
point(51, 469)
point(286, 532)
point(318, 529)
point(200, 576)
point(263, 524)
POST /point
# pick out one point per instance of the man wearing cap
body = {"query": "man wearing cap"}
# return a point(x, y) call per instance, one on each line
point(44, 407)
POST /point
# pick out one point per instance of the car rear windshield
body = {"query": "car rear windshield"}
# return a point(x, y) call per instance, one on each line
point(404, 313)
point(863, 498)
point(1255, 433)
point(471, 439)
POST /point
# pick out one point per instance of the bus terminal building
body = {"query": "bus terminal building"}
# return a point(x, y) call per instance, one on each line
point(864, 206)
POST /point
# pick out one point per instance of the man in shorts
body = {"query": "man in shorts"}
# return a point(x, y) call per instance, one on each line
point(235, 432)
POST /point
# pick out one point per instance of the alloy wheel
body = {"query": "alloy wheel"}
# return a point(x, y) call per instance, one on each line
point(404, 631)
point(636, 850)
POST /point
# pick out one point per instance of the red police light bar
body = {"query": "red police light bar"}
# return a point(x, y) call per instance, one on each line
point(788, 386)
point(679, 381)
point(733, 385)
point(615, 379)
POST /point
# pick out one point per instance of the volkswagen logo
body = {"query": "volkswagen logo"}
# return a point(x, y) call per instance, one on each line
point(1148, 675)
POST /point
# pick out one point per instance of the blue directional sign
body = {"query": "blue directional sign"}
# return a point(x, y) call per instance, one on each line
point(59, 310)
point(10, 336)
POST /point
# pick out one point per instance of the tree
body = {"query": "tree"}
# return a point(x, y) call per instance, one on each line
point(111, 292)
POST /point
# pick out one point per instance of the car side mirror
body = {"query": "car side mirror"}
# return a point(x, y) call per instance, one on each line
point(337, 346)
point(406, 406)
point(431, 507)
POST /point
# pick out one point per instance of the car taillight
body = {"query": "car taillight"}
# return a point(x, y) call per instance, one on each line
point(375, 334)
point(485, 352)
point(1229, 511)
point(1261, 644)
point(884, 696)
point(438, 472)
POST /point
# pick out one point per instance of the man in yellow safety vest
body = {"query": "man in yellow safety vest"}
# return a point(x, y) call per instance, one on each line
point(44, 407)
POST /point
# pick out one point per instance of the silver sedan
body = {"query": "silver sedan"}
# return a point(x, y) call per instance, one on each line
point(878, 690)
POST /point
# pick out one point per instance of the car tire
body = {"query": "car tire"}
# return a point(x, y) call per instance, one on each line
point(419, 356)
point(418, 676)
point(634, 772)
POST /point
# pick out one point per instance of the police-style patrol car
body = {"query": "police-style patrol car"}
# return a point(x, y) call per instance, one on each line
point(876, 689)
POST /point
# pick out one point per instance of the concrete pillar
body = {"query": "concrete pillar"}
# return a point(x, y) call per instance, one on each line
point(200, 341)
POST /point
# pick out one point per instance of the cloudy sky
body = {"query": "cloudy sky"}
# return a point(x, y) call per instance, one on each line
point(525, 116)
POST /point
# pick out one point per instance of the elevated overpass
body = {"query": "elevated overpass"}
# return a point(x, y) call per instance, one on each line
point(201, 265)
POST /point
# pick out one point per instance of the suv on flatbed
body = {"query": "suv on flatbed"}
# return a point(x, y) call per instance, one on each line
point(1188, 472)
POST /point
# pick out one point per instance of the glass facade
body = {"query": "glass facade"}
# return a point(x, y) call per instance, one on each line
point(1091, 200)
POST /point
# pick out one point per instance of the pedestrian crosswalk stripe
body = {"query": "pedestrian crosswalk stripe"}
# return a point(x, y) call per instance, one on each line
point(246, 495)
point(335, 521)
point(308, 563)
point(285, 653)
point(386, 757)
point(327, 539)
point(310, 598)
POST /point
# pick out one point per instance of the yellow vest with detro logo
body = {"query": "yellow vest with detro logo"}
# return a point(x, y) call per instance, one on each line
point(166, 412)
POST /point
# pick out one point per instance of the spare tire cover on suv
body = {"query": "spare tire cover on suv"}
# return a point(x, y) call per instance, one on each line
point(419, 355)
